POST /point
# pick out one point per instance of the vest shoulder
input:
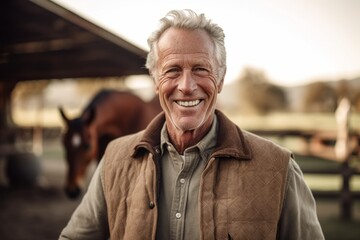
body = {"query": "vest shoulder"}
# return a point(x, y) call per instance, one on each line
point(126, 140)
point(262, 146)
point(122, 146)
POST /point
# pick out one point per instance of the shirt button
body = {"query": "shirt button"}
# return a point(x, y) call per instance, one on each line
point(178, 215)
point(169, 147)
point(151, 204)
point(182, 180)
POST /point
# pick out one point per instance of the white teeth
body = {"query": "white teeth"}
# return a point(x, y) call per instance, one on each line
point(188, 103)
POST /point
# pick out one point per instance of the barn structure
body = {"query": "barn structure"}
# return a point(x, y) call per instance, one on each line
point(42, 40)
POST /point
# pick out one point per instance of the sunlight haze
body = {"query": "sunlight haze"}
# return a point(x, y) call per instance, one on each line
point(293, 42)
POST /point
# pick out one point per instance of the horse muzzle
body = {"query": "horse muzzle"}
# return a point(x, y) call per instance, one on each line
point(73, 192)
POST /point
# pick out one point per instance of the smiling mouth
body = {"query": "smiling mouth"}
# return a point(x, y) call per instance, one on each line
point(188, 103)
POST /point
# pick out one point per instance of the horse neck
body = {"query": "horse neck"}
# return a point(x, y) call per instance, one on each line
point(155, 105)
point(92, 128)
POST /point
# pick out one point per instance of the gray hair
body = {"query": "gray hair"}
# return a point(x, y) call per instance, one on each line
point(188, 19)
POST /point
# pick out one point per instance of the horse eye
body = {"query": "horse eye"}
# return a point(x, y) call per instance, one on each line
point(76, 140)
point(87, 146)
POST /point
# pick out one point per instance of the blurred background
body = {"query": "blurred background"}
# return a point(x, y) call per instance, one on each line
point(293, 77)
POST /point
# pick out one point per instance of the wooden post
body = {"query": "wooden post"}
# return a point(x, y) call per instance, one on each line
point(342, 155)
point(7, 138)
point(346, 196)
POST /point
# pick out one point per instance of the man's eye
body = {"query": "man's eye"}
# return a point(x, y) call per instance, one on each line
point(172, 73)
point(200, 71)
point(173, 70)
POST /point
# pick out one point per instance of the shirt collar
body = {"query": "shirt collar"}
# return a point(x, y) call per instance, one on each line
point(231, 142)
point(204, 146)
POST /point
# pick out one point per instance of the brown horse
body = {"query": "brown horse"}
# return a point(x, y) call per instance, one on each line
point(110, 114)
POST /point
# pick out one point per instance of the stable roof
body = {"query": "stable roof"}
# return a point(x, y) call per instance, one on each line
point(43, 40)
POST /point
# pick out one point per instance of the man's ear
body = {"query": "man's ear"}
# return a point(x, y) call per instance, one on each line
point(221, 82)
point(220, 85)
point(156, 87)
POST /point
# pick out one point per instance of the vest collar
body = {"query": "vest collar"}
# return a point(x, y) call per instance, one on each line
point(231, 142)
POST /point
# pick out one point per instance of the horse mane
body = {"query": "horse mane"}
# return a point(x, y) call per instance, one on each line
point(101, 96)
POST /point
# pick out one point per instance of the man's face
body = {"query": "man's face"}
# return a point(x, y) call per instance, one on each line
point(187, 81)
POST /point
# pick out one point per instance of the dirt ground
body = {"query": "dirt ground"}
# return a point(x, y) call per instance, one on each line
point(38, 212)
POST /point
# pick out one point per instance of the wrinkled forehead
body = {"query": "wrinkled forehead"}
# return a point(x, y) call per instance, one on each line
point(183, 41)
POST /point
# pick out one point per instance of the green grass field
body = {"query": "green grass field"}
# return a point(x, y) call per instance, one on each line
point(293, 120)
point(333, 226)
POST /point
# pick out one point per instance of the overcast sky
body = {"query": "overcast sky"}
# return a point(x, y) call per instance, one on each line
point(292, 41)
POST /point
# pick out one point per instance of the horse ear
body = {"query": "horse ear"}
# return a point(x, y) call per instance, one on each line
point(89, 116)
point(63, 115)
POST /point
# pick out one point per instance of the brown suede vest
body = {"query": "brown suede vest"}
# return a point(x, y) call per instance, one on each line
point(241, 192)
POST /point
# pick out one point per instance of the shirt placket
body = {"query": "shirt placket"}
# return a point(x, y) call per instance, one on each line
point(178, 209)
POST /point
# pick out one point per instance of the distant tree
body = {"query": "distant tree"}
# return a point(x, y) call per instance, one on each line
point(319, 97)
point(356, 101)
point(258, 95)
point(352, 93)
point(342, 89)
point(276, 98)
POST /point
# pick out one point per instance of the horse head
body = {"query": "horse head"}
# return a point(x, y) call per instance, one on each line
point(80, 145)
point(110, 114)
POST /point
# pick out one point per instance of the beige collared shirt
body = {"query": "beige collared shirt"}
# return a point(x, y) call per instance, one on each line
point(179, 190)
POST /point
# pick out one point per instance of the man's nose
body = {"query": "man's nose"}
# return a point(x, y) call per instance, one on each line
point(187, 83)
